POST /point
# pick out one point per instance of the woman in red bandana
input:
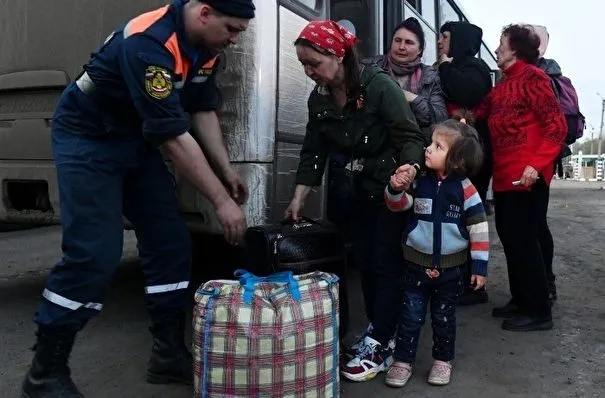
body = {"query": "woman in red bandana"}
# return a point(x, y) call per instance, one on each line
point(361, 121)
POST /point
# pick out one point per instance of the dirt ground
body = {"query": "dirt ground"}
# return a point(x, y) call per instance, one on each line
point(111, 353)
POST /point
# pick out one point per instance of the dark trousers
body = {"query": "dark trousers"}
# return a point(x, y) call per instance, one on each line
point(442, 293)
point(99, 181)
point(522, 226)
point(481, 182)
point(376, 239)
point(482, 178)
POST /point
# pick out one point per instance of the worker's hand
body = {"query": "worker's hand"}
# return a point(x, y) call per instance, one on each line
point(478, 281)
point(236, 186)
point(232, 219)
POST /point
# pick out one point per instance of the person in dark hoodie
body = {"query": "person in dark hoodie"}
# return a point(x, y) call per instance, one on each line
point(465, 81)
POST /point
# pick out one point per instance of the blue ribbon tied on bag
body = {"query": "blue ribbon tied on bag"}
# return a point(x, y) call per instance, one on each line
point(249, 281)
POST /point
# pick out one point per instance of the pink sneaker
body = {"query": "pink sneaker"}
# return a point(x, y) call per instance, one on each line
point(398, 375)
point(440, 374)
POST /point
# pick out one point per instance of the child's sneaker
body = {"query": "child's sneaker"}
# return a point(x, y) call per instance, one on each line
point(398, 375)
point(440, 374)
point(370, 360)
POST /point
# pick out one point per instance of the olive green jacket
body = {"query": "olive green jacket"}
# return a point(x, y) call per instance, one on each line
point(379, 132)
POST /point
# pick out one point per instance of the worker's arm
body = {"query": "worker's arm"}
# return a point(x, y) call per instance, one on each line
point(148, 70)
point(189, 159)
point(208, 129)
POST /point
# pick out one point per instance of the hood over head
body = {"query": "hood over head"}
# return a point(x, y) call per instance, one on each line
point(465, 39)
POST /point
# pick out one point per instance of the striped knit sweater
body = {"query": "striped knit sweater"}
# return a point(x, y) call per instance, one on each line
point(448, 218)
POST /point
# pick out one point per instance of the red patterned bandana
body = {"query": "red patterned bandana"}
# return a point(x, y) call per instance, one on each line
point(329, 36)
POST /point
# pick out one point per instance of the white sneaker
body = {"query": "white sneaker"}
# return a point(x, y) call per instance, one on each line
point(352, 350)
point(370, 360)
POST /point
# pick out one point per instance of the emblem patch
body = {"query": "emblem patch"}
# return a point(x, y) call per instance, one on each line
point(158, 82)
point(423, 206)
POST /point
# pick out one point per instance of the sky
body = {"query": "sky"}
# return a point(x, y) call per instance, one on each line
point(576, 30)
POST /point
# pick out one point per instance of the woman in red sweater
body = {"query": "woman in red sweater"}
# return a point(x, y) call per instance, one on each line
point(527, 130)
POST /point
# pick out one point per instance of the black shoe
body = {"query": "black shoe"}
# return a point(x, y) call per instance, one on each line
point(508, 311)
point(49, 375)
point(171, 361)
point(473, 297)
point(552, 291)
point(524, 323)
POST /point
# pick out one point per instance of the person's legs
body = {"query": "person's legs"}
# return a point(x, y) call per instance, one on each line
point(416, 295)
point(90, 189)
point(150, 204)
point(506, 206)
point(383, 231)
point(524, 257)
point(444, 298)
point(541, 195)
point(388, 273)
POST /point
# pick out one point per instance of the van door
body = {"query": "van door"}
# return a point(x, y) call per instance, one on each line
point(294, 88)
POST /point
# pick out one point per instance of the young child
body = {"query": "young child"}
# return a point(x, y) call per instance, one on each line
point(447, 217)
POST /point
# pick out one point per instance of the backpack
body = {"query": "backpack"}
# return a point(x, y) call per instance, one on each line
point(568, 99)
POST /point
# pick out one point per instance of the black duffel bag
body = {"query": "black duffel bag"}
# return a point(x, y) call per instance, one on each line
point(300, 247)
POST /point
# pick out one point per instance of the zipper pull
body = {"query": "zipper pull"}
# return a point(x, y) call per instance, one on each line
point(365, 139)
point(275, 242)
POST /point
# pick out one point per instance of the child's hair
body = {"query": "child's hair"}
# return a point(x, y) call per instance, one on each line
point(465, 156)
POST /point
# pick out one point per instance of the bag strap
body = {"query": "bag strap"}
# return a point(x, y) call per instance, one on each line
point(249, 281)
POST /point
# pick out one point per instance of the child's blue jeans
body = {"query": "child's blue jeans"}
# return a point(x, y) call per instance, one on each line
point(442, 293)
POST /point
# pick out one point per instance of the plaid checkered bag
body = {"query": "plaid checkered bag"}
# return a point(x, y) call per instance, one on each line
point(274, 336)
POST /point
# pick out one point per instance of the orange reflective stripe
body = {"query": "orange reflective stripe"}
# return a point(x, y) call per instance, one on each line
point(210, 64)
point(142, 22)
point(181, 64)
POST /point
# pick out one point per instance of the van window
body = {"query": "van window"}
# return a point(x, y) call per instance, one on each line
point(448, 14)
point(312, 4)
point(428, 12)
point(363, 15)
point(429, 55)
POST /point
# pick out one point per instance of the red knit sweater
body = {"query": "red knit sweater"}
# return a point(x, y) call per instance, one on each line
point(526, 125)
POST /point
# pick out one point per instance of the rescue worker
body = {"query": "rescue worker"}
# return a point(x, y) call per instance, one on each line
point(107, 132)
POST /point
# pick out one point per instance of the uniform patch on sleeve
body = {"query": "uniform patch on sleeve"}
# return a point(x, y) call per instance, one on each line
point(158, 82)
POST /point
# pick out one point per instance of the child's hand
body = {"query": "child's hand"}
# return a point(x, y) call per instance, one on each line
point(478, 281)
point(400, 182)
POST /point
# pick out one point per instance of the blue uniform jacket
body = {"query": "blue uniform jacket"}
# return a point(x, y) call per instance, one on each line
point(147, 75)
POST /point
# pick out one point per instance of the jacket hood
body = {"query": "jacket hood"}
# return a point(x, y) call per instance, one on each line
point(465, 39)
point(550, 66)
point(543, 35)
